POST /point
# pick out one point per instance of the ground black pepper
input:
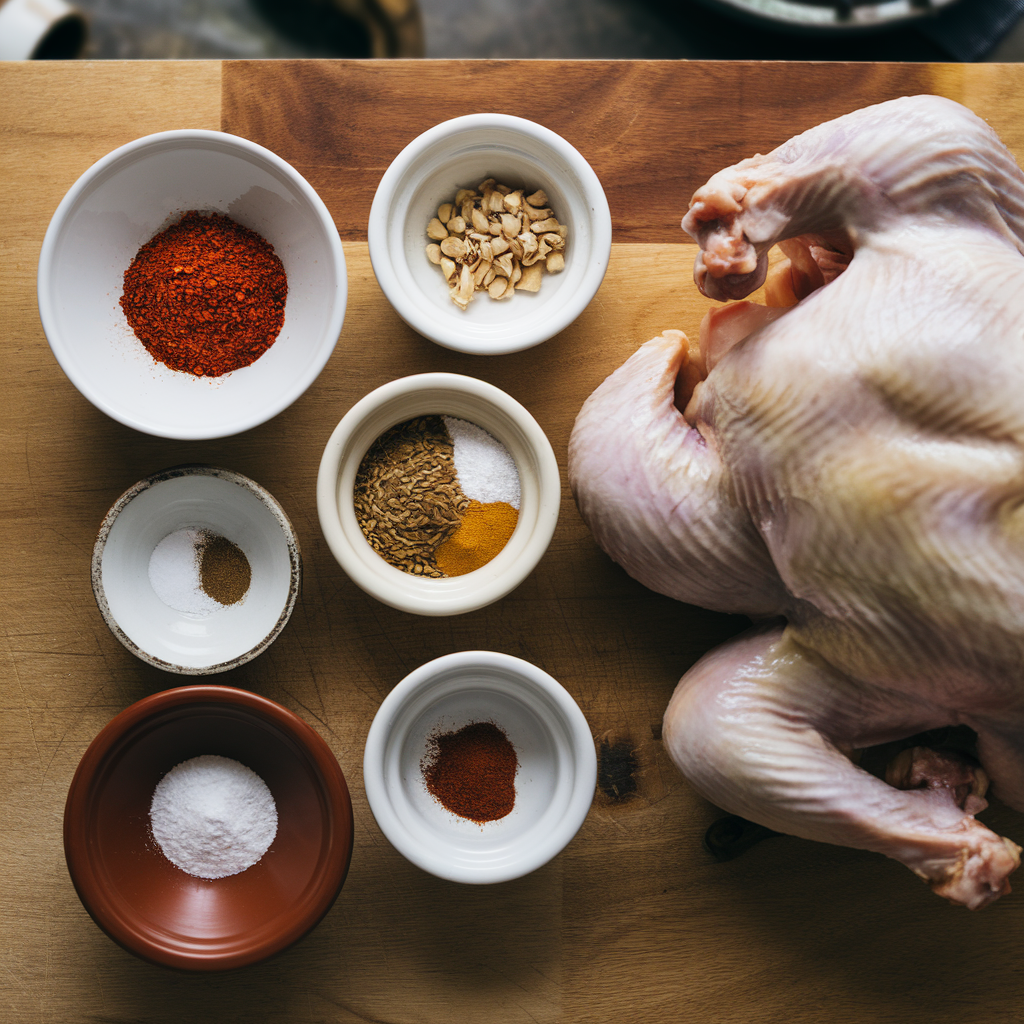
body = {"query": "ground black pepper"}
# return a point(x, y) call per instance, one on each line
point(224, 571)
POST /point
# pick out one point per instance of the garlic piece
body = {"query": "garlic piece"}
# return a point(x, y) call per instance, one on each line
point(496, 238)
point(530, 281)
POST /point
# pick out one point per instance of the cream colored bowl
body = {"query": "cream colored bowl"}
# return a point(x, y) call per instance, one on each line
point(444, 394)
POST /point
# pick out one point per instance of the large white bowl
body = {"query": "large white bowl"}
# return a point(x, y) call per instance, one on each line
point(439, 394)
point(118, 205)
point(461, 153)
point(554, 784)
point(227, 504)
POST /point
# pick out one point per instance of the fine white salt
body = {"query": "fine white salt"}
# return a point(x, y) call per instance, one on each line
point(174, 573)
point(212, 816)
point(486, 470)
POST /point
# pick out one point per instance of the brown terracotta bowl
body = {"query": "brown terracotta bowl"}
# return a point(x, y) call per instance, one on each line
point(161, 913)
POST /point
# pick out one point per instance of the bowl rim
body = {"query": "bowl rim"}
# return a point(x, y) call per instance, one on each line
point(381, 216)
point(370, 571)
point(168, 140)
point(173, 473)
point(76, 826)
point(583, 754)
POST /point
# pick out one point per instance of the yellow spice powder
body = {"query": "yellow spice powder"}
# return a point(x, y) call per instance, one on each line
point(484, 531)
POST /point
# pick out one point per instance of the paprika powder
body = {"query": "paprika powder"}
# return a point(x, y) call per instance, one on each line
point(205, 296)
point(472, 772)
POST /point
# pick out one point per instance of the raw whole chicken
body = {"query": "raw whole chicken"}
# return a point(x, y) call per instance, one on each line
point(846, 467)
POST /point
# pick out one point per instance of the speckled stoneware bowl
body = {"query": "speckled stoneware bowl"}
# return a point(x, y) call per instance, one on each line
point(206, 498)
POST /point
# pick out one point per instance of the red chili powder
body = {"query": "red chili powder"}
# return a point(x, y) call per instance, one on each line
point(472, 772)
point(205, 296)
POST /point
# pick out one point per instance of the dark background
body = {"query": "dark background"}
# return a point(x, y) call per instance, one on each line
point(565, 29)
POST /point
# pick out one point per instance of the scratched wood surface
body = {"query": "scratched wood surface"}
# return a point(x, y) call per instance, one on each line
point(633, 922)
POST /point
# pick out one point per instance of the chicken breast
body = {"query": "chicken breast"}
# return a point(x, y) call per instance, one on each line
point(849, 472)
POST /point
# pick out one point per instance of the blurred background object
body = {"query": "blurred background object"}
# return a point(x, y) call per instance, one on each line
point(40, 30)
point(904, 30)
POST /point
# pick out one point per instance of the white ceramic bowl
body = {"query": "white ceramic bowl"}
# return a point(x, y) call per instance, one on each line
point(118, 205)
point(227, 504)
point(554, 784)
point(459, 154)
point(445, 394)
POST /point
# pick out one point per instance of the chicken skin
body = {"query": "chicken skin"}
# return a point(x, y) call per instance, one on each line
point(845, 467)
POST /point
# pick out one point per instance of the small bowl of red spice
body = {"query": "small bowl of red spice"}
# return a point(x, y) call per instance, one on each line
point(196, 569)
point(192, 284)
point(479, 767)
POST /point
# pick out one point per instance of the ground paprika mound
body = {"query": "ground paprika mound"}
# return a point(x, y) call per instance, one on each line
point(205, 296)
point(472, 772)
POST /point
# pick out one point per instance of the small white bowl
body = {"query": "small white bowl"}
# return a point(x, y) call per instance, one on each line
point(227, 504)
point(118, 205)
point(439, 394)
point(460, 154)
point(554, 784)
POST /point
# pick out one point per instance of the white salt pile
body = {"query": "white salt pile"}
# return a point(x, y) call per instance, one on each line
point(486, 470)
point(212, 816)
point(174, 573)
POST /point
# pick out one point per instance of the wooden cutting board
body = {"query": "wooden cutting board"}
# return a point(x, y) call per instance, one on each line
point(634, 921)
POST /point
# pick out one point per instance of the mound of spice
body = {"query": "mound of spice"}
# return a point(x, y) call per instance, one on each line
point(406, 497)
point(205, 296)
point(488, 476)
point(212, 816)
point(196, 571)
point(495, 238)
point(437, 496)
point(472, 772)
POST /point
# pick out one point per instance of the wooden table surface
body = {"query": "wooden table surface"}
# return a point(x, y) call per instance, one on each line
point(634, 921)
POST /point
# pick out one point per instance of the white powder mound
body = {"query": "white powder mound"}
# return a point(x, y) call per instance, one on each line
point(174, 573)
point(212, 816)
point(486, 470)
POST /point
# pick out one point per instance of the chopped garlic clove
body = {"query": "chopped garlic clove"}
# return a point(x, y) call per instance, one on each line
point(480, 222)
point(453, 247)
point(540, 226)
point(530, 281)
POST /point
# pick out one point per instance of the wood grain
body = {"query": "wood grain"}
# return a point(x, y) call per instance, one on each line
point(654, 131)
point(633, 921)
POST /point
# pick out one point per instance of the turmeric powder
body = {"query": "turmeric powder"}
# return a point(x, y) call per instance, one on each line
point(484, 531)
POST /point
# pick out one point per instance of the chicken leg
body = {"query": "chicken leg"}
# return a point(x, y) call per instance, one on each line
point(763, 729)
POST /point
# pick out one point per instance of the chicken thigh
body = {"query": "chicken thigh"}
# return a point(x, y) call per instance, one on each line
point(849, 472)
